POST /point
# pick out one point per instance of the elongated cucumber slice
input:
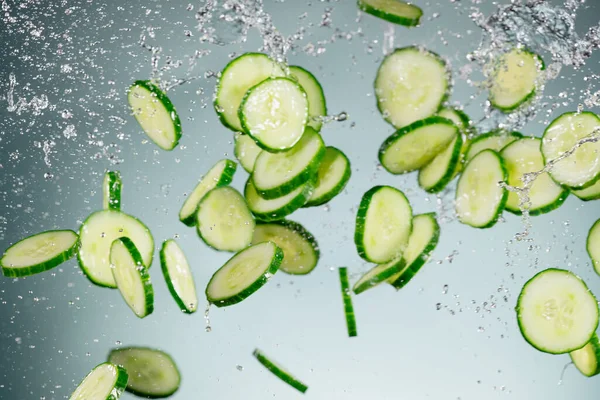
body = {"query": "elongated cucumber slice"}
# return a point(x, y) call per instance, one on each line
point(279, 208)
point(219, 175)
point(279, 371)
point(582, 168)
point(348, 307)
point(132, 277)
point(587, 359)
point(38, 253)
point(246, 151)
point(317, 107)
point(524, 156)
point(416, 145)
point(275, 113)
point(237, 77)
point(411, 84)
point(152, 373)
point(98, 232)
point(383, 224)
point(277, 174)
point(556, 312)
point(111, 190)
point(479, 197)
point(514, 78)
point(378, 274)
point(105, 382)
point(589, 193)
point(460, 119)
point(333, 175)
point(395, 11)
point(495, 140)
point(155, 113)
point(436, 175)
point(300, 248)
point(593, 245)
point(178, 276)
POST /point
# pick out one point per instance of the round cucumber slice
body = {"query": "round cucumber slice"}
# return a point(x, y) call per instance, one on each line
point(317, 107)
point(593, 245)
point(495, 140)
point(246, 151)
point(436, 175)
point(105, 382)
point(588, 194)
point(333, 175)
point(279, 208)
point(279, 371)
point(378, 274)
point(587, 359)
point(395, 11)
point(111, 190)
point(178, 275)
point(460, 119)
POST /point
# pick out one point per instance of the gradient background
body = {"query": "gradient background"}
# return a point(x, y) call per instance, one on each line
point(56, 326)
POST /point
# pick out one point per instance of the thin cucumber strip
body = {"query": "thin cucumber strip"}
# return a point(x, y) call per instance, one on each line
point(237, 77)
point(495, 140)
point(131, 276)
point(395, 11)
point(275, 113)
point(224, 221)
point(38, 253)
point(588, 194)
point(97, 234)
point(524, 156)
point(105, 382)
point(460, 119)
point(378, 274)
point(593, 245)
point(333, 175)
point(317, 107)
point(152, 373)
point(221, 174)
point(246, 151)
point(178, 275)
point(300, 248)
point(416, 145)
point(411, 84)
point(155, 113)
point(277, 209)
point(111, 190)
point(244, 274)
point(479, 198)
point(348, 307)
point(279, 371)
point(436, 175)
point(556, 312)
point(587, 359)
point(383, 224)
point(581, 169)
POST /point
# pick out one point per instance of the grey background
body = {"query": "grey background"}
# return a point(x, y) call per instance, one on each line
point(55, 327)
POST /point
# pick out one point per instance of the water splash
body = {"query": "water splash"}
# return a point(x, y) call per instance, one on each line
point(36, 105)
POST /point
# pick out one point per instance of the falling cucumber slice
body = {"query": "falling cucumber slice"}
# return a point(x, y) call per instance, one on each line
point(178, 275)
point(588, 194)
point(333, 175)
point(435, 176)
point(378, 274)
point(495, 140)
point(279, 208)
point(395, 11)
point(460, 119)
point(105, 382)
point(279, 371)
point(317, 107)
point(348, 307)
point(111, 191)
point(587, 359)
point(246, 151)
point(593, 245)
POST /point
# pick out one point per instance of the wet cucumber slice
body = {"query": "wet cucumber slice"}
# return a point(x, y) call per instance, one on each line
point(317, 107)
point(111, 190)
point(279, 371)
point(395, 11)
point(178, 275)
point(588, 194)
point(333, 175)
point(587, 359)
point(460, 119)
point(378, 274)
point(279, 208)
point(593, 245)
point(105, 382)
point(495, 140)
point(436, 175)
point(347, 299)
point(246, 151)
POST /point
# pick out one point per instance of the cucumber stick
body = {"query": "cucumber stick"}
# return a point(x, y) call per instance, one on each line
point(111, 190)
point(279, 371)
point(105, 382)
point(587, 359)
point(317, 107)
point(593, 245)
point(246, 151)
point(279, 208)
point(395, 11)
point(178, 275)
point(378, 274)
point(495, 140)
point(436, 175)
point(332, 176)
point(347, 300)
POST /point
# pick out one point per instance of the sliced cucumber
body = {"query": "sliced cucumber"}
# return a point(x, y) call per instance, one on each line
point(219, 175)
point(152, 373)
point(105, 382)
point(524, 156)
point(416, 145)
point(378, 274)
point(593, 245)
point(495, 140)
point(246, 151)
point(411, 84)
point(460, 119)
point(556, 312)
point(244, 274)
point(317, 107)
point(333, 175)
point(587, 359)
point(300, 248)
point(436, 175)
point(155, 113)
point(111, 190)
point(582, 168)
point(178, 276)
point(279, 371)
point(479, 197)
point(98, 232)
point(589, 193)
point(277, 209)
point(132, 277)
point(275, 113)
point(38, 253)
point(395, 11)
point(383, 224)
point(224, 221)
point(348, 307)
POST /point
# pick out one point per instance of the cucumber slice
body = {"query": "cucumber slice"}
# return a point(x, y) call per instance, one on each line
point(177, 273)
point(587, 359)
point(395, 11)
point(246, 151)
point(277, 174)
point(383, 224)
point(277, 209)
point(333, 175)
point(593, 245)
point(411, 84)
point(582, 168)
point(556, 312)
point(152, 373)
point(514, 79)
point(244, 274)
point(300, 248)
point(279, 371)
point(155, 113)
point(589, 193)
point(479, 197)
point(224, 220)
point(221, 174)
point(105, 382)
point(132, 277)
point(275, 113)
point(98, 232)
point(378, 274)
point(237, 77)
point(436, 175)
point(416, 145)
point(317, 107)
point(495, 140)
point(348, 307)
point(423, 240)
point(460, 119)
point(38, 253)
point(524, 156)
point(111, 190)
